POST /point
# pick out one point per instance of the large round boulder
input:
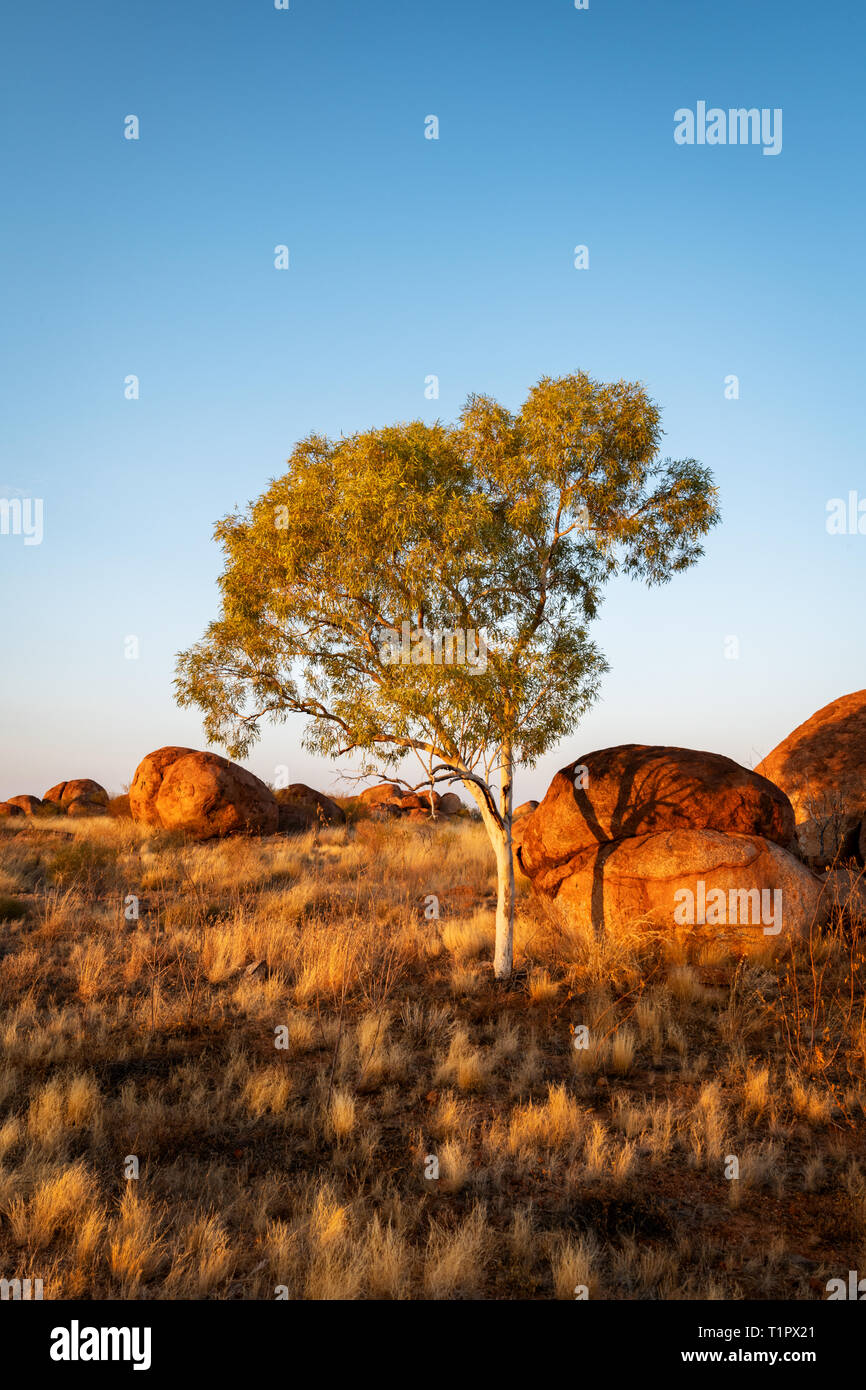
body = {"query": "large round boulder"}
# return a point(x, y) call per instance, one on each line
point(520, 818)
point(84, 789)
point(302, 808)
point(147, 781)
point(421, 801)
point(384, 794)
point(206, 796)
point(450, 804)
point(634, 789)
point(821, 767)
point(741, 886)
point(28, 804)
point(8, 811)
point(78, 789)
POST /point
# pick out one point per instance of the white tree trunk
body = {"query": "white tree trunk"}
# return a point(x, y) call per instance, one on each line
point(503, 954)
point(499, 831)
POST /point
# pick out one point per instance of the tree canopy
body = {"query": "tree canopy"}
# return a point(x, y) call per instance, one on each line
point(506, 526)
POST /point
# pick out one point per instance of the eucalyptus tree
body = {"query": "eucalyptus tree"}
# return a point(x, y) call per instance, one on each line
point(426, 591)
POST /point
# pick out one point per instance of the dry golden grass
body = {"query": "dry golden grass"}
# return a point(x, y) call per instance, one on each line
point(234, 1095)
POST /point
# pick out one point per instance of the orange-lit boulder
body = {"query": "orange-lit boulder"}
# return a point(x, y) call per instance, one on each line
point(384, 794)
point(147, 781)
point(302, 808)
point(619, 793)
point(82, 789)
point(821, 767)
point(741, 885)
point(81, 807)
point(206, 796)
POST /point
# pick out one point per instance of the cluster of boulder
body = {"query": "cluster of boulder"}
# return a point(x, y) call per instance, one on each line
point(79, 797)
point(627, 832)
point(387, 800)
point(202, 794)
point(668, 835)
point(206, 796)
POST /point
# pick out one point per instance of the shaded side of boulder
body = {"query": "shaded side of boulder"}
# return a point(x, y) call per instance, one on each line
point(821, 766)
point(206, 796)
point(82, 789)
point(844, 892)
point(385, 793)
point(303, 808)
point(9, 811)
point(635, 789)
point(82, 807)
point(86, 790)
point(147, 781)
point(421, 801)
point(743, 886)
point(450, 804)
point(518, 830)
point(28, 804)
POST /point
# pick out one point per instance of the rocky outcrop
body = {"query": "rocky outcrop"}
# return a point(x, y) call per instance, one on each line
point(147, 781)
point(301, 808)
point(384, 795)
point(421, 801)
point(635, 789)
point(821, 767)
point(744, 884)
point(81, 790)
point(387, 800)
point(28, 804)
point(639, 832)
point(206, 797)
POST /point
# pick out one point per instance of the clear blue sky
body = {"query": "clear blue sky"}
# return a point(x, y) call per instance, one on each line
point(412, 257)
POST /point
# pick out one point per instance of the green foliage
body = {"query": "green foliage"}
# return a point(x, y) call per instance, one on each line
point(508, 525)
